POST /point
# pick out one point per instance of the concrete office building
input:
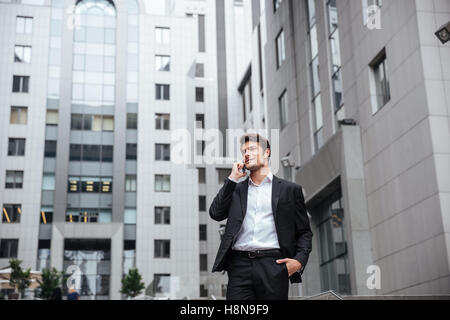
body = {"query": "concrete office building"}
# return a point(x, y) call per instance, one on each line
point(92, 91)
point(377, 184)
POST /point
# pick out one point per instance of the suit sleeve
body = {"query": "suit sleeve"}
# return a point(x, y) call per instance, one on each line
point(221, 203)
point(303, 230)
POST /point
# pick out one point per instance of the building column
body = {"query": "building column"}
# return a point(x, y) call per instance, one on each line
point(356, 210)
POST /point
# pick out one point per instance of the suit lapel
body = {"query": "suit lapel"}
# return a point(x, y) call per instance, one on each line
point(276, 187)
point(243, 192)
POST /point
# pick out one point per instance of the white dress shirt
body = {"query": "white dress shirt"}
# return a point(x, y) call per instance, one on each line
point(258, 230)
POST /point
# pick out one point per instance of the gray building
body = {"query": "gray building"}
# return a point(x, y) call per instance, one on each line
point(95, 94)
point(360, 93)
point(92, 92)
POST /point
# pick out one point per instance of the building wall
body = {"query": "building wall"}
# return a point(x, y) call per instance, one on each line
point(402, 161)
point(34, 131)
point(404, 150)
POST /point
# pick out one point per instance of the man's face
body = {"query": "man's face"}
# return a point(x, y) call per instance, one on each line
point(253, 155)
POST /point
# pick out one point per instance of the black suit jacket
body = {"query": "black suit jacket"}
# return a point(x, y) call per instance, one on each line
point(289, 210)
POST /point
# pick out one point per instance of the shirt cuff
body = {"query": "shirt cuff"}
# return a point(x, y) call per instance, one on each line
point(232, 180)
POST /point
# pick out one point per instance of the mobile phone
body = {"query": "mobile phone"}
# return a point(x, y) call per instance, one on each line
point(244, 169)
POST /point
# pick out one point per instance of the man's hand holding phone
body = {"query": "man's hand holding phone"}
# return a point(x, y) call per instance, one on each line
point(238, 171)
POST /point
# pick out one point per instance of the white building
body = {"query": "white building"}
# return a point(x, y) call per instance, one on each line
point(101, 86)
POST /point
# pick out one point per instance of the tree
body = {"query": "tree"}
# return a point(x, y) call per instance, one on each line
point(19, 279)
point(132, 285)
point(51, 280)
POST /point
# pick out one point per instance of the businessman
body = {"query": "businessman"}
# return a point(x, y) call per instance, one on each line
point(267, 239)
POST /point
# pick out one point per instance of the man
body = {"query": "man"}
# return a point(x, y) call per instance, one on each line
point(73, 295)
point(267, 237)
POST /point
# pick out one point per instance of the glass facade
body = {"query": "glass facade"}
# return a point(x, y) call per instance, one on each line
point(94, 54)
point(335, 50)
point(315, 79)
point(93, 258)
point(334, 272)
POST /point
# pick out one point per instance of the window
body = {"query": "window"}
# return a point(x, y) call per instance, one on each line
point(129, 255)
point(130, 183)
point(276, 4)
point(318, 123)
point(161, 283)
point(106, 185)
point(11, 213)
point(380, 87)
point(201, 175)
point(131, 120)
point(162, 63)
point(203, 262)
point(162, 92)
point(162, 183)
point(162, 215)
point(203, 291)
point(202, 203)
point(162, 152)
point(336, 77)
point(20, 83)
point(282, 104)
point(367, 6)
point(46, 215)
point(333, 256)
point(281, 51)
point(90, 184)
point(131, 151)
point(14, 179)
point(162, 249)
point(48, 182)
point(244, 115)
point(202, 230)
point(162, 121)
point(97, 123)
point(316, 103)
point(201, 33)
point(50, 149)
point(8, 248)
point(24, 24)
point(90, 122)
point(245, 89)
point(76, 122)
point(199, 94)
point(18, 115)
point(200, 148)
point(22, 54)
point(129, 216)
point(52, 118)
point(223, 174)
point(108, 123)
point(91, 152)
point(75, 152)
point(74, 184)
point(16, 147)
point(199, 70)
point(88, 215)
point(162, 35)
point(200, 121)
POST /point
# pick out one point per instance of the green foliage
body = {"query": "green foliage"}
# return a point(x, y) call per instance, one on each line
point(19, 278)
point(132, 284)
point(51, 279)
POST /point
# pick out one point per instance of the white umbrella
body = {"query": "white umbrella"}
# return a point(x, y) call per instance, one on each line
point(6, 273)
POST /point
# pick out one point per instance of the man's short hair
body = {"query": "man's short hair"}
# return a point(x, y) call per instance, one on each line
point(256, 137)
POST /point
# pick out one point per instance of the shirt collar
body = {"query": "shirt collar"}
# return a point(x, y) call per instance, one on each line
point(269, 177)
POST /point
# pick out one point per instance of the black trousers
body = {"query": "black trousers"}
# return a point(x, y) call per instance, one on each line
point(259, 278)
